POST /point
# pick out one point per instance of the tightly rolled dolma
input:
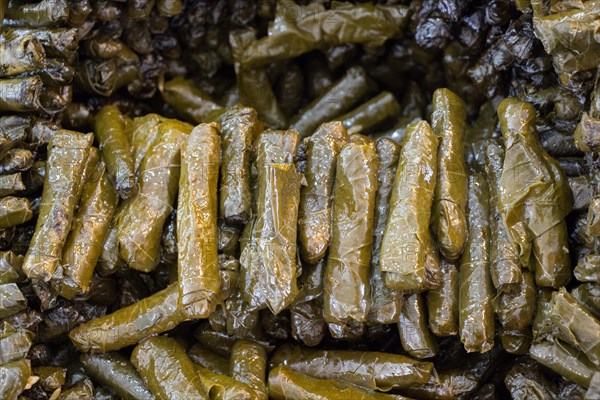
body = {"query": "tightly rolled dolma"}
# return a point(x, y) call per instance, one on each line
point(90, 227)
point(21, 54)
point(526, 381)
point(127, 326)
point(256, 90)
point(116, 372)
point(12, 184)
point(449, 385)
point(314, 212)
point(346, 283)
point(285, 384)
point(223, 387)
point(56, 42)
point(14, 211)
point(448, 218)
point(13, 130)
point(515, 342)
point(415, 336)
point(241, 319)
point(349, 331)
point(534, 197)
point(116, 150)
point(239, 125)
point(307, 323)
point(16, 377)
point(476, 292)
point(209, 359)
point(406, 244)
point(248, 364)
point(229, 237)
point(10, 267)
point(68, 153)
point(442, 303)
point(573, 29)
point(564, 360)
point(167, 370)
point(588, 296)
point(311, 281)
point(339, 98)
point(372, 370)
point(313, 27)
point(515, 306)
point(109, 261)
point(145, 131)
point(16, 160)
point(40, 14)
point(140, 223)
point(574, 325)
point(371, 114)
point(21, 94)
point(197, 236)
point(97, 77)
point(15, 343)
point(13, 300)
point(385, 304)
point(188, 100)
point(505, 265)
point(269, 269)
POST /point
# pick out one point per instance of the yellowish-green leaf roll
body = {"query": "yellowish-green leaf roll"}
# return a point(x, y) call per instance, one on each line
point(110, 131)
point(346, 282)
point(167, 370)
point(197, 237)
point(476, 292)
point(407, 241)
point(68, 153)
point(448, 217)
point(140, 224)
point(90, 227)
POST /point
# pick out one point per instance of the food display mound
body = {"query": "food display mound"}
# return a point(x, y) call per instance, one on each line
point(299, 199)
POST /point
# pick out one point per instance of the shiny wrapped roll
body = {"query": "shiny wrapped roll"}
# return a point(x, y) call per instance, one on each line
point(67, 158)
point(415, 336)
point(407, 242)
point(90, 227)
point(140, 224)
point(110, 130)
point(372, 370)
point(448, 216)
point(286, 384)
point(385, 304)
point(248, 364)
point(314, 213)
point(534, 197)
point(239, 125)
point(269, 268)
point(152, 315)
point(198, 263)
point(346, 294)
point(167, 370)
point(116, 372)
point(476, 291)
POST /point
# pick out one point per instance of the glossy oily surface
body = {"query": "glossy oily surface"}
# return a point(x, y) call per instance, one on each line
point(198, 263)
point(406, 240)
point(346, 293)
point(166, 369)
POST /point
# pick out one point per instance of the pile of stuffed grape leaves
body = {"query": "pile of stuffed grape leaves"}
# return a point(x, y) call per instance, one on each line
point(299, 199)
